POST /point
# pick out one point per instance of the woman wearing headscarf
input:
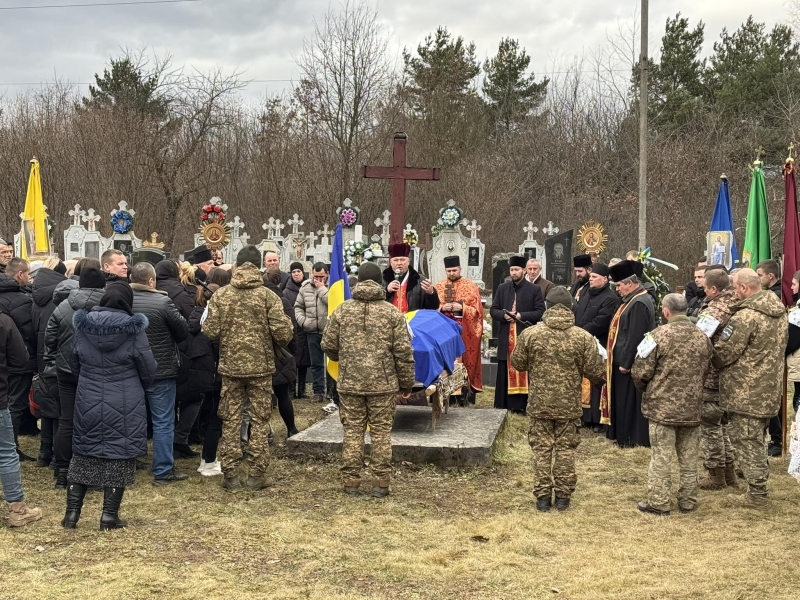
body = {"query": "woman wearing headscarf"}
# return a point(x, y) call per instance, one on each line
point(114, 364)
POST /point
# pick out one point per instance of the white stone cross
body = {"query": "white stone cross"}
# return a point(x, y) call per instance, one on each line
point(530, 230)
point(295, 222)
point(550, 230)
point(77, 214)
point(124, 206)
point(237, 225)
point(278, 227)
point(269, 227)
point(312, 239)
point(383, 223)
point(473, 229)
point(325, 233)
point(244, 236)
point(92, 218)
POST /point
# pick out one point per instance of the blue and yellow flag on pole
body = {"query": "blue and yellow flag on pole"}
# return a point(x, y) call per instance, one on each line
point(34, 237)
point(338, 286)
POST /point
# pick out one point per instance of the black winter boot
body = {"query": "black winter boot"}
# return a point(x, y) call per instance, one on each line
point(112, 498)
point(75, 495)
point(61, 479)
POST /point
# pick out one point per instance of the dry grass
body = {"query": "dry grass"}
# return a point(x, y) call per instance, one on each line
point(442, 534)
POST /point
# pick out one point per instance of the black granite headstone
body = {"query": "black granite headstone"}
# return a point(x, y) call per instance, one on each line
point(558, 251)
point(147, 255)
point(500, 275)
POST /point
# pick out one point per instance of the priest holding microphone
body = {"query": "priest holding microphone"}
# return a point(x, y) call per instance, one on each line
point(405, 289)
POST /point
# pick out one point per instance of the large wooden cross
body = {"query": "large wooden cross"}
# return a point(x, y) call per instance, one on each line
point(399, 173)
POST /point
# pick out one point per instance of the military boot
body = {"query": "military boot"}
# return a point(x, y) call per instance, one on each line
point(562, 503)
point(747, 501)
point(715, 480)
point(544, 504)
point(258, 483)
point(352, 487)
point(730, 475)
point(380, 488)
point(20, 514)
point(231, 484)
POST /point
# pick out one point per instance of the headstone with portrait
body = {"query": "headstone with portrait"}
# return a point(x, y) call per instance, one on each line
point(152, 251)
point(558, 255)
point(530, 248)
point(448, 240)
point(81, 239)
point(123, 238)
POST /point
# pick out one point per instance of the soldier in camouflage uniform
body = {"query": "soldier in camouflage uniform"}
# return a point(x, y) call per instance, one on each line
point(670, 375)
point(749, 354)
point(715, 441)
point(369, 339)
point(558, 356)
point(249, 322)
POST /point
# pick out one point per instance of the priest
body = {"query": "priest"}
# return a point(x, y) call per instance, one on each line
point(460, 300)
point(517, 304)
point(202, 259)
point(621, 402)
point(582, 267)
point(404, 286)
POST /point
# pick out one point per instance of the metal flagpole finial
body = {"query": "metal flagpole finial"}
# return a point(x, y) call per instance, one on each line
point(791, 150)
point(723, 176)
point(760, 154)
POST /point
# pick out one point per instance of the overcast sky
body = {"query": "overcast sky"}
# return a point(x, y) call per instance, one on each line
point(262, 37)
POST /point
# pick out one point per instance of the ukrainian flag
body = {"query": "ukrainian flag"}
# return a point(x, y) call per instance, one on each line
point(437, 344)
point(35, 239)
point(338, 286)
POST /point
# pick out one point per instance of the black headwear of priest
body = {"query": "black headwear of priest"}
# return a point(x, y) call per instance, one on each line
point(517, 261)
point(600, 269)
point(623, 270)
point(198, 255)
point(582, 261)
point(451, 262)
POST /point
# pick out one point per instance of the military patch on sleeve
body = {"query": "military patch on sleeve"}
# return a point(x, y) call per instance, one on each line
point(726, 333)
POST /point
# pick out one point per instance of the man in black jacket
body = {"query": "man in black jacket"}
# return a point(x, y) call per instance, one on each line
point(522, 299)
point(404, 286)
point(582, 267)
point(593, 313)
point(166, 328)
point(17, 303)
point(115, 265)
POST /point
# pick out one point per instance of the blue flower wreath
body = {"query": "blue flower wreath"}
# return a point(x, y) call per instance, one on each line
point(122, 221)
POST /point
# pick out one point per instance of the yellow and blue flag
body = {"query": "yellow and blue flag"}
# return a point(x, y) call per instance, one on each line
point(437, 344)
point(338, 285)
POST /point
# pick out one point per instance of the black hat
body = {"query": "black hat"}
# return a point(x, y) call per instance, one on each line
point(517, 261)
point(60, 268)
point(451, 262)
point(92, 278)
point(118, 295)
point(624, 269)
point(638, 268)
point(295, 265)
point(600, 269)
point(249, 254)
point(369, 271)
point(582, 261)
point(559, 295)
point(198, 255)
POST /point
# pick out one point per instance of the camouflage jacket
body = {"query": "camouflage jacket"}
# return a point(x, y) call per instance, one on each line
point(248, 321)
point(369, 338)
point(749, 354)
point(557, 356)
point(721, 309)
point(672, 374)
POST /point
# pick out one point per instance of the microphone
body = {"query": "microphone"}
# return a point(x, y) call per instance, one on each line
point(398, 275)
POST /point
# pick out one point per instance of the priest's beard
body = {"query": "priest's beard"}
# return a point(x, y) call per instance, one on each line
point(453, 278)
point(583, 280)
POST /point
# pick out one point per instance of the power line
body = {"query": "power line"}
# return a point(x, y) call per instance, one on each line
point(89, 4)
point(35, 83)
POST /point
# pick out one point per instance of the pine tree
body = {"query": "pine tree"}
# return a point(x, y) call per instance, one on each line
point(126, 86)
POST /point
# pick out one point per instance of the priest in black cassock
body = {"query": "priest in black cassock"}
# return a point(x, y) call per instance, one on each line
point(524, 299)
point(582, 267)
point(621, 402)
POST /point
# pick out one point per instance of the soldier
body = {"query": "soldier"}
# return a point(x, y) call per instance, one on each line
point(670, 365)
point(749, 354)
point(715, 442)
point(248, 321)
point(369, 339)
point(563, 355)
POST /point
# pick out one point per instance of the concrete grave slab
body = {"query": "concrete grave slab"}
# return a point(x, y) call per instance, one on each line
point(464, 437)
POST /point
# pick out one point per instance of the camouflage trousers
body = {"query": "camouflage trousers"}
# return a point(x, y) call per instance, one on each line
point(749, 443)
point(235, 392)
point(553, 443)
point(356, 412)
point(715, 439)
point(665, 442)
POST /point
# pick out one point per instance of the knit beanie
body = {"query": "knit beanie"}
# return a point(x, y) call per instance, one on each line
point(249, 254)
point(92, 278)
point(369, 271)
point(559, 295)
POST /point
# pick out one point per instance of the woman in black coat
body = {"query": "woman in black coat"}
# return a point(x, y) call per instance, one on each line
point(114, 364)
point(302, 357)
point(168, 280)
point(285, 374)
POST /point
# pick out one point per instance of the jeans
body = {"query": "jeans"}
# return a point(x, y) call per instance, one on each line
point(317, 362)
point(161, 399)
point(9, 461)
point(19, 386)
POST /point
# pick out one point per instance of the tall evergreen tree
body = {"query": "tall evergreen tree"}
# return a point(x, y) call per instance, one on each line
point(511, 94)
point(127, 86)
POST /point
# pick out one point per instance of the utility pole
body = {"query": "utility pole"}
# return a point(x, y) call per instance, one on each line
point(643, 67)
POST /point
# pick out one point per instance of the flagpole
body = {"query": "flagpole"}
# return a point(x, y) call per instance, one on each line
point(643, 67)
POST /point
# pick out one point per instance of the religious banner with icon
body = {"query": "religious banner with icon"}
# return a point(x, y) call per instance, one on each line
point(214, 231)
point(591, 238)
point(719, 248)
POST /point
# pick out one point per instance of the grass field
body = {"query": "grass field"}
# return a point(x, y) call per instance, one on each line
point(442, 534)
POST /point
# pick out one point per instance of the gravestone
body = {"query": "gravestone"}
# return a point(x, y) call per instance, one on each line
point(450, 241)
point(464, 437)
point(152, 251)
point(239, 239)
point(322, 250)
point(84, 240)
point(530, 248)
point(294, 245)
point(558, 250)
point(274, 240)
point(122, 223)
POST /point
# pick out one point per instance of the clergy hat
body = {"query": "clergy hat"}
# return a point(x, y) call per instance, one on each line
point(517, 261)
point(600, 269)
point(582, 261)
point(451, 262)
point(623, 269)
point(198, 255)
point(638, 268)
point(559, 295)
point(295, 266)
point(399, 250)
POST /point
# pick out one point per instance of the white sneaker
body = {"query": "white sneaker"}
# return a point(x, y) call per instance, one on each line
point(330, 408)
point(202, 466)
point(212, 469)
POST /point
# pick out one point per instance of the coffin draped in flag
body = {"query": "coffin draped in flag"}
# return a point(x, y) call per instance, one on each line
point(338, 286)
point(437, 344)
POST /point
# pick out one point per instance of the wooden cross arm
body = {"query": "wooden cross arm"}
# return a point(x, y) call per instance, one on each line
point(411, 173)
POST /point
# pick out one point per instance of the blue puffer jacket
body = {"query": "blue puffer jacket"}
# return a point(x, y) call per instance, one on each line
point(114, 364)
